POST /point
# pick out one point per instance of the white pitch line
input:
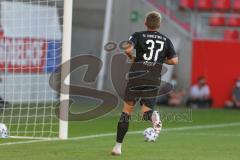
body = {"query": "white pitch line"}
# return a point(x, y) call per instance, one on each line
point(131, 133)
point(30, 138)
point(204, 126)
point(209, 134)
point(25, 142)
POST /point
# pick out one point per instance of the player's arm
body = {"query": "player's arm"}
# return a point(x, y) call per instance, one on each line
point(130, 45)
point(172, 61)
point(129, 51)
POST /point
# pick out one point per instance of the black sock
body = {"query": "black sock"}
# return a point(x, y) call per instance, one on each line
point(147, 116)
point(122, 128)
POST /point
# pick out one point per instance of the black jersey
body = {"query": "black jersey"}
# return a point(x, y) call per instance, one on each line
point(152, 47)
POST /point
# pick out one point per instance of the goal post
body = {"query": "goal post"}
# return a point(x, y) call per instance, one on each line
point(66, 55)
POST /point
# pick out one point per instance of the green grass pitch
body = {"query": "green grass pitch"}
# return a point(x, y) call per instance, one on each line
point(200, 135)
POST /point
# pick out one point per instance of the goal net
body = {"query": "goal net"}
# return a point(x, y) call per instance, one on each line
point(31, 34)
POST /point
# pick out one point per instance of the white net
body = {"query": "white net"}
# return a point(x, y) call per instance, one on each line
point(30, 50)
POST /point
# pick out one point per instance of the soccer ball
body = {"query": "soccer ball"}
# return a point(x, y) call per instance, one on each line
point(3, 131)
point(150, 135)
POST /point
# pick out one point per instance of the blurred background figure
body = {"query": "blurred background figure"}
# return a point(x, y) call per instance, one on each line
point(200, 94)
point(235, 99)
point(176, 97)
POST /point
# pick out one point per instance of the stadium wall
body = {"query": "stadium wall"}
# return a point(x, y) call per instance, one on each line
point(216, 60)
point(88, 21)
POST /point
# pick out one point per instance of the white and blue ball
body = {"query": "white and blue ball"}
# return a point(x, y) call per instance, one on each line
point(150, 135)
point(3, 131)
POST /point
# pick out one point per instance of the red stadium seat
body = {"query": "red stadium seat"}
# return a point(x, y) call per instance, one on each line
point(187, 4)
point(234, 22)
point(236, 5)
point(204, 4)
point(217, 20)
point(222, 5)
point(231, 35)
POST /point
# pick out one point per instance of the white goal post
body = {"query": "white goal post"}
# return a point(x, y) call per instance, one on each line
point(66, 55)
point(35, 39)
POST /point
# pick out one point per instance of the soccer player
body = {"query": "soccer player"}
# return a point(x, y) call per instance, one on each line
point(152, 48)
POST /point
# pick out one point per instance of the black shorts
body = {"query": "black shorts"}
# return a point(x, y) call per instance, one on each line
point(146, 95)
point(143, 84)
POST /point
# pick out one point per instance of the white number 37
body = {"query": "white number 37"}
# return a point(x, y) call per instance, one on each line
point(152, 44)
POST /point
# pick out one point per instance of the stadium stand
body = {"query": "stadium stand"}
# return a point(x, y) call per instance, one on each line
point(236, 5)
point(206, 19)
point(217, 20)
point(233, 21)
point(222, 5)
point(187, 4)
point(205, 5)
point(210, 5)
point(231, 34)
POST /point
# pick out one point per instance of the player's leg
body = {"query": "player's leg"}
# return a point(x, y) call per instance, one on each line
point(123, 123)
point(150, 115)
point(123, 126)
point(146, 112)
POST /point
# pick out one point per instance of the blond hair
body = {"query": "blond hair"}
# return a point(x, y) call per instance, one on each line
point(153, 20)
